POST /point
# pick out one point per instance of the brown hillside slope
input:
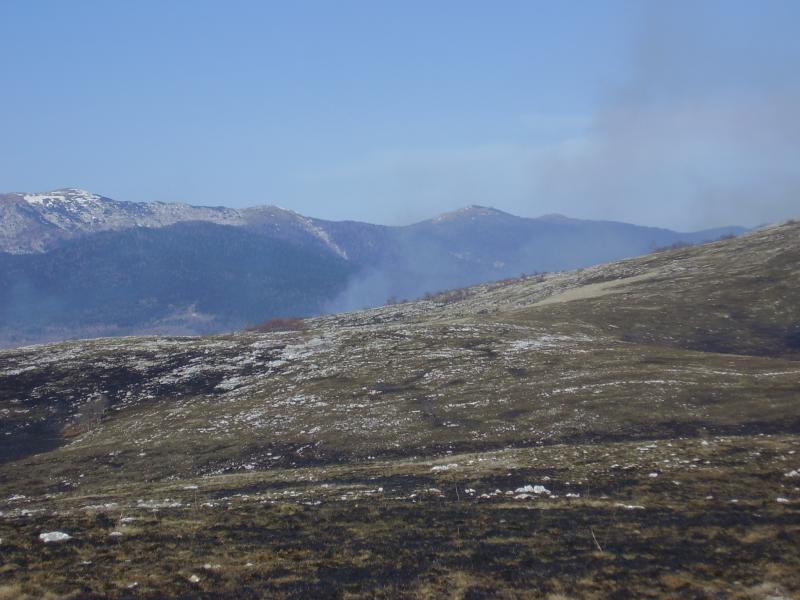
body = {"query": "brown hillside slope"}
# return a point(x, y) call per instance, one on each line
point(387, 452)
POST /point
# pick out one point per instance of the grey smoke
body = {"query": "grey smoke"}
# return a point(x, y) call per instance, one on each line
point(703, 130)
point(706, 132)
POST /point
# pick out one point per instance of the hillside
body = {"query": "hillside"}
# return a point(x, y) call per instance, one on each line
point(629, 429)
point(187, 278)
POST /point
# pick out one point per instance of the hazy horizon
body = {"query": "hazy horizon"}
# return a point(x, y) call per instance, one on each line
point(681, 115)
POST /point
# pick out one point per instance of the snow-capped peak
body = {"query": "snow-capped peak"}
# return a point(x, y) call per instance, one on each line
point(72, 195)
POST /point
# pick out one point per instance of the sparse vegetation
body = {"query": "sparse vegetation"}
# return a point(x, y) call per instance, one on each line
point(674, 246)
point(404, 529)
point(460, 294)
point(680, 245)
point(279, 324)
point(449, 296)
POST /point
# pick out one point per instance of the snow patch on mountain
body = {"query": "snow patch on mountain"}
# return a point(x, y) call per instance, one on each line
point(37, 222)
point(321, 234)
point(64, 197)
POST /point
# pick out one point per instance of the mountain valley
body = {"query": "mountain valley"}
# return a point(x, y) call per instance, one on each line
point(630, 428)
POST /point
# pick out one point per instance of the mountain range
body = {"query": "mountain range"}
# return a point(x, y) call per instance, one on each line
point(78, 264)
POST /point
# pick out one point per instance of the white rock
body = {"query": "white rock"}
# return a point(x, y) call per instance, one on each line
point(444, 467)
point(54, 536)
point(532, 489)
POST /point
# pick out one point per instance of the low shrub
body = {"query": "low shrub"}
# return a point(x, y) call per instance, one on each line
point(279, 324)
point(675, 246)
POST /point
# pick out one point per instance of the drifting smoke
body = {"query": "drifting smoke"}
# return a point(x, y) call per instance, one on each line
point(706, 132)
point(702, 131)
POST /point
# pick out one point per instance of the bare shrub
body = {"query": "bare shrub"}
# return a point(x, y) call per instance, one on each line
point(449, 296)
point(675, 246)
point(458, 294)
point(500, 283)
point(279, 324)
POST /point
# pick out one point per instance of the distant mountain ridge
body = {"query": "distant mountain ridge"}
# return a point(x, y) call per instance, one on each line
point(38, 222)
point(41, 221)
point(74, 263)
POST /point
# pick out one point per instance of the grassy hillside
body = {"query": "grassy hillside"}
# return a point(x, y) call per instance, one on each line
point(626, 430)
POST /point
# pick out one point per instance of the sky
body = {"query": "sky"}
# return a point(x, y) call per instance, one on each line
point(682, 114)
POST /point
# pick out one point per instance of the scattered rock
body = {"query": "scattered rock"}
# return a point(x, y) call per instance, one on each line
point(444, 467)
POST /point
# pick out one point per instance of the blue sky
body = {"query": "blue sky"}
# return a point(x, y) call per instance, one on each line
point(681, 114)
